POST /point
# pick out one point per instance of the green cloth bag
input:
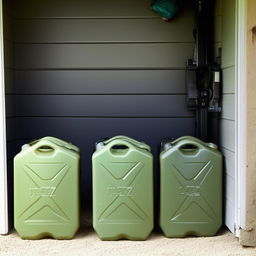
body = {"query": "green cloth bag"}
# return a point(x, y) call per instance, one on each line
point(166, 8)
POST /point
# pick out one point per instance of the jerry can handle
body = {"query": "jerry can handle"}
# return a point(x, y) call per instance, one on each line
point(62, 143)
point(188, 138)
point(191, 138)
point(130, 140)
point(119, 142)
point(45, 149)
point(44, 146)
point(186, 142)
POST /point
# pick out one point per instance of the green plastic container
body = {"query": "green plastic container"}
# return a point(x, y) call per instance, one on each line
point(190, 188)
point(46, 189)
point(122, 189)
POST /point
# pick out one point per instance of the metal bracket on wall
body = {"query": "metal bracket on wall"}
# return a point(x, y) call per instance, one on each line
point(203, 94)
point(192, 91)
point(214, 92)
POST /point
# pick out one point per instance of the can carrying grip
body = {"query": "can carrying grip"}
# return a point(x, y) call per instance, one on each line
point(191, 138)
point(119, 147)
point(62, 143)
point(189, 146)
point(55, 141)
point(130, 140)
point(195, 140)
point(45, 149)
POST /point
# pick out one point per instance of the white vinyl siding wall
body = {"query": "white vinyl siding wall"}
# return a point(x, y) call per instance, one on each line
point(225, 37)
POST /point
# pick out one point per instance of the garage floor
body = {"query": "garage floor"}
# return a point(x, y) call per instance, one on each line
point(87, 243)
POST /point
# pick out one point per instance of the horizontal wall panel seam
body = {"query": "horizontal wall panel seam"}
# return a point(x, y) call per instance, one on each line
point(106, 105)
point(101, 82)
point(232, 122)
point(96, 94)
point(101, 69)
point(101, 42)
point(228, 107)
point(228, 67)
point(108, 117)
point(227, 134)
point(30, 128)
point(105, 117)
point(102, 55)
point(104, 31)
point(227, 119)
point(153, 17)
point(228, 149)
point(78, 8)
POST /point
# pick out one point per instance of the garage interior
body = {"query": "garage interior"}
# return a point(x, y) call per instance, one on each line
point(86, 70)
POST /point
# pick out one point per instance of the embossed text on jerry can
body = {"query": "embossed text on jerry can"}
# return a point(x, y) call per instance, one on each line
point(46, 189)
point(123, 189)
point(190, 188)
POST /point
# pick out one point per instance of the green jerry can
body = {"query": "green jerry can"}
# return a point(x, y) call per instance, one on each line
point(190, 188)
point(46, 189)
point(122, 189)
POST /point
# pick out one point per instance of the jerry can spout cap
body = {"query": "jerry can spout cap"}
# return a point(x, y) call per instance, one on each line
point(25, 146)
point(212, 145)
point(166, 144)
point(99, 145)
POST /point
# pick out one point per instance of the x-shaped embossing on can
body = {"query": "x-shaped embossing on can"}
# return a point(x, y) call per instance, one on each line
point(191, 190)
point(123, 185)
point(44, 196)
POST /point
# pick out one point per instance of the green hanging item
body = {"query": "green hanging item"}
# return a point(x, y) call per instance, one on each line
point(166, 8)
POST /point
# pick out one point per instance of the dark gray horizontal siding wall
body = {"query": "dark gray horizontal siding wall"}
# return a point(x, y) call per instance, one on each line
point(86, 70)
point(83, 9)
point(79, 82)
point(9, 78)
point(11, 144)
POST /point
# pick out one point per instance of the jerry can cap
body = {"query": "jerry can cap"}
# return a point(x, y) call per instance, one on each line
point(25, 146)
point(100, 143)
point(212, 145)
point(166, 144)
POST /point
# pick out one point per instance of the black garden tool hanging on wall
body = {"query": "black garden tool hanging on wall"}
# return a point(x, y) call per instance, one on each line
point(204, 74)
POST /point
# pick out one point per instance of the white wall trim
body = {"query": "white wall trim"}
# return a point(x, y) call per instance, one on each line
point(241, 117)
point(3, 165)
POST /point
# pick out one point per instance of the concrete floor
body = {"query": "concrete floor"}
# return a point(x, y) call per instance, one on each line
point(87, 243)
